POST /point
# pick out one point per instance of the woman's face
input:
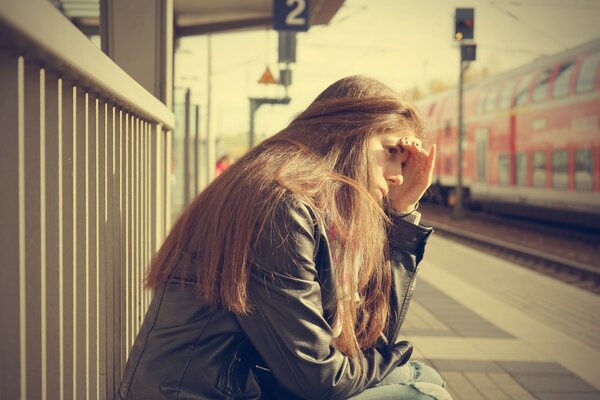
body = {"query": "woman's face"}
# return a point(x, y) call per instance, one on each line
point(390, 157)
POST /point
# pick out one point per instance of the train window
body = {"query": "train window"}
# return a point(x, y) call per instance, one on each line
point(563, 77)
point(541, 88)
point(587, 73)
point(521, 169)
point(560, 169)
point(503, 169)
point(506, 95)
point(447, 165)
point(584, 169)
point(539, 168)
point(490, 100)
point(448, 129)
point(522, 90)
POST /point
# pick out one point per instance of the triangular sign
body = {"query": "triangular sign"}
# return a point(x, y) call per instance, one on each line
point(267, 77)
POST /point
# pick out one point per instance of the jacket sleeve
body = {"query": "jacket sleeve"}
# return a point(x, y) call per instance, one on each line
point(287, 326)
point(407, 242)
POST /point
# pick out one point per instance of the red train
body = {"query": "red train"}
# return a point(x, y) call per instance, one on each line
point(532, 139)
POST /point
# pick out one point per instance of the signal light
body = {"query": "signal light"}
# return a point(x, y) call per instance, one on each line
point(464, 23)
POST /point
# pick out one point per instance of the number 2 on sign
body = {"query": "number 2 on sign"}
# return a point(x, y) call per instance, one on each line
point(293, 18)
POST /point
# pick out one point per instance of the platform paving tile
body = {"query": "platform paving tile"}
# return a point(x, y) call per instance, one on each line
point(568, 396)
point(449, 314)
point(555, 383)
point(498, 380)
point(510, 386)
point(460, 388)
point(420, 322)
point(486, 386)
point(547, 368)
point(467, 365)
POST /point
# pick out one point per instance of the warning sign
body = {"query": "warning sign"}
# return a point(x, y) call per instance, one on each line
point(267, 77)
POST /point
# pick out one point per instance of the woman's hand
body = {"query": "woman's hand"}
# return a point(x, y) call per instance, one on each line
point(416, 172)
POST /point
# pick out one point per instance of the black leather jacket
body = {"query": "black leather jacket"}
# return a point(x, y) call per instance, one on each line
point(282, 349)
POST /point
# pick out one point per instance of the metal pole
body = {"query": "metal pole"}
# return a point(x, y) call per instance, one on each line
point(197, 152)
point(211, 157)
point(186, 150)
point(252, 111)
point(255, 103)
point(459, 212)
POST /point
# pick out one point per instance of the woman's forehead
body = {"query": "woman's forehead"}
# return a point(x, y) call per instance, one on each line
point(396, 135)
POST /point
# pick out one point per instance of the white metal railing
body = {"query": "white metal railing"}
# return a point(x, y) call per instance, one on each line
point(84, 163)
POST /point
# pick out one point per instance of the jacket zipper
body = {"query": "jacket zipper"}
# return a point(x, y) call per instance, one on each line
point(230, 379)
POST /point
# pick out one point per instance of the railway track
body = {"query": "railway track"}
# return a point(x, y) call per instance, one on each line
point(571, 271)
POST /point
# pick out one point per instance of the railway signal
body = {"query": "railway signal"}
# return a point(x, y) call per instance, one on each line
point(464, 24)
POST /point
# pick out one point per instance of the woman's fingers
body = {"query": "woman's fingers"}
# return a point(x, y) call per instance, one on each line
point(418, 156)
point(411, 141)
point(431, 158)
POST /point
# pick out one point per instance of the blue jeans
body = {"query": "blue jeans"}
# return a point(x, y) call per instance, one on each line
point(412, 381)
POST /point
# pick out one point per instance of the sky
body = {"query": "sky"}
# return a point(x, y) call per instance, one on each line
point(403, 43)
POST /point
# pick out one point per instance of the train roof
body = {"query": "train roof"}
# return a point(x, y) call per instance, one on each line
point(573, 52)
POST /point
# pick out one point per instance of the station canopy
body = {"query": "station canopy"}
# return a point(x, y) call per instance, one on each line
point(197, 17)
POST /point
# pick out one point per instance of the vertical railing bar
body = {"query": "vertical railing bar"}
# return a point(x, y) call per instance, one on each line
point(167, 152)
point(43, 227)
point(150, 177)
point(100, 223)
point(147, 201)
point(68, 238)
point(51, 205)
point(130, 221)
point(87, 245)
point(135, 238)
point(148, 204)
point(109, 253)
point(138, 234)
point(197, 151)
point(127, 227)
point(22, 250)
point(114, 368)
point(144, 211)
point(186, 150)
point(133, 229)
point(74, 242)
point(142, 221)
point(61, 313)
point(159, 187)
point(132, 244)
point(122, 237)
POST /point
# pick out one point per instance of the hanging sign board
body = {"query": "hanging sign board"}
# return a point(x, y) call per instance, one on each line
point(290, 15)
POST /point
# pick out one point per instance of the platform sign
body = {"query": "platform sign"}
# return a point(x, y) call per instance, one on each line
point(290, 15)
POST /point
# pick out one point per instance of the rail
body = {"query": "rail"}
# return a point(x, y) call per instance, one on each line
point(568, 264)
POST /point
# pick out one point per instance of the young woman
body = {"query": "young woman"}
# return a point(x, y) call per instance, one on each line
point(289, 277)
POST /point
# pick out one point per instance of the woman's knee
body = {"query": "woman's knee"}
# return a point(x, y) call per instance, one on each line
point(425, 373)
point(432, 390)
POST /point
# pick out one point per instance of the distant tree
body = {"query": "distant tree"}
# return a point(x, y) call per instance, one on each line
point(474, 74)
point(438, 85)
point(412, 94)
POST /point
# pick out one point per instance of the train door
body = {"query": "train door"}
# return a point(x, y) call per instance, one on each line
point(481, 156)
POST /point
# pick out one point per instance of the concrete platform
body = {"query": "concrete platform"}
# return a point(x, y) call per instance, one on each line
point(495, 330)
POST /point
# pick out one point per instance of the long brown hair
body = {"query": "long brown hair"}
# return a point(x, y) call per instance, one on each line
point(321, 159)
